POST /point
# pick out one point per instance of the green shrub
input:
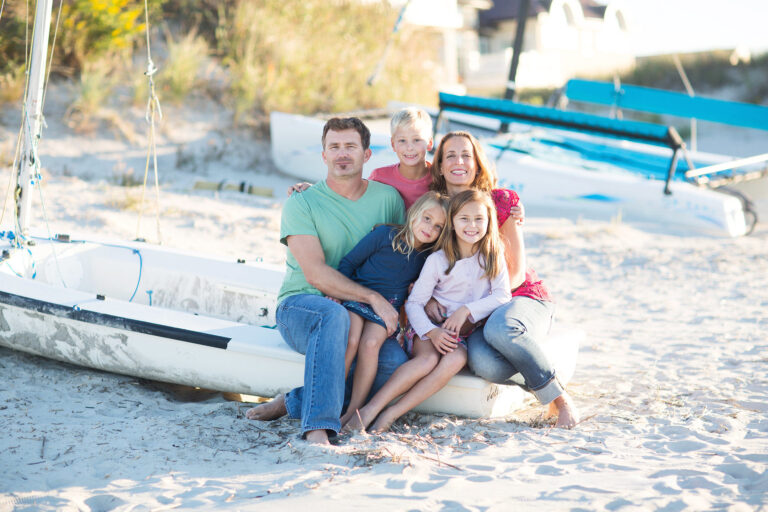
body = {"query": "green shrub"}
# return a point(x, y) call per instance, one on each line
point(308, 56)
point(92, 28)
point(178, 74)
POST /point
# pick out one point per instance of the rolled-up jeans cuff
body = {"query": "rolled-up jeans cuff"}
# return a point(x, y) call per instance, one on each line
point(549, 391)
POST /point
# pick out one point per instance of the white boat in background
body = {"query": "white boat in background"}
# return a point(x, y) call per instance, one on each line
point(296, 145)
point(574, 164)
point(147, 311)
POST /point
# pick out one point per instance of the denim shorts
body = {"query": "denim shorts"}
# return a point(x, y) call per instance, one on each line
point(366, 311)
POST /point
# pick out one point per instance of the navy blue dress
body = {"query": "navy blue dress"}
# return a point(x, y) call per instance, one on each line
point(373, 263)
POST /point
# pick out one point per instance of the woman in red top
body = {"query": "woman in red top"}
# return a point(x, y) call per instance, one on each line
point(506, 350)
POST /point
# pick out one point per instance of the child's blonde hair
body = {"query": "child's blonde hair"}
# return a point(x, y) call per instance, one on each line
point(404, 240)
point(412, 116)
point(490, 246)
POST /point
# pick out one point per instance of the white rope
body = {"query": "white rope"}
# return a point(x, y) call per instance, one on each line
point(50, 59)
point(153, 109)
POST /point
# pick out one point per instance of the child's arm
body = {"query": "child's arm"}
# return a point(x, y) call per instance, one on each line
point(500, 294)
point(420, 294)
point(361, 252)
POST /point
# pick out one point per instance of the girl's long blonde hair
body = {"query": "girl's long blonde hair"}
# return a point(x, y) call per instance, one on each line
point(490, 246)
point(404, 240)
point(485, 178)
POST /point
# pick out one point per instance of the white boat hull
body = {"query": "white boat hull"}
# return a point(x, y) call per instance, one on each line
point(187, 336)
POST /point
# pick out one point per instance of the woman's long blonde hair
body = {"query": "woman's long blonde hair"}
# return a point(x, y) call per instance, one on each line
point(490, 246)
point(404, 240)
point(485, 178)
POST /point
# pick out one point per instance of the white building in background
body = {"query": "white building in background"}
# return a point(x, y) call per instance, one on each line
point(448, 22)
point(563, 38)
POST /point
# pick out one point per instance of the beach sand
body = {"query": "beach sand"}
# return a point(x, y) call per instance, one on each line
point(671, 383)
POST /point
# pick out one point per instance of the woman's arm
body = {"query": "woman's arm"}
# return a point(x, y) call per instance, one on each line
point(514, 251)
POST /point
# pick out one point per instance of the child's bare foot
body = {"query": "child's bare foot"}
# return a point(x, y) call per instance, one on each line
point(317, 437)
point(567, 415)
point(359, 420)
point(347, 417)
point(382, 424)
point(268, 411)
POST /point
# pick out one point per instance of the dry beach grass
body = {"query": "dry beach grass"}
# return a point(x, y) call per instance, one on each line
point(671, 382)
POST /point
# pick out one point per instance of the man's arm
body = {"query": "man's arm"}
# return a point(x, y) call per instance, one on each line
point(310, 257)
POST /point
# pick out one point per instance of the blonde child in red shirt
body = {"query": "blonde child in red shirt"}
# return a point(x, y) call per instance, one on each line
point(411, 130)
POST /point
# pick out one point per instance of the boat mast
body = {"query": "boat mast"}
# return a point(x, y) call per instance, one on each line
point(32, 117)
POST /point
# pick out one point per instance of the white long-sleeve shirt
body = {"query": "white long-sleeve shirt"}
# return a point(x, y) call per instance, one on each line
point(466, 285)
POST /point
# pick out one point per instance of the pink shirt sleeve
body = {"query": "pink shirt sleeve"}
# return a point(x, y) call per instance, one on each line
point(504, 199)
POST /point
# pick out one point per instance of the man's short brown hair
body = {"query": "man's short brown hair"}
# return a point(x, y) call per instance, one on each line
point(339, 124)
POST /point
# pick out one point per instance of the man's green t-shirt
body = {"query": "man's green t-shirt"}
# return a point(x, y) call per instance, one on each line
point(338, 222)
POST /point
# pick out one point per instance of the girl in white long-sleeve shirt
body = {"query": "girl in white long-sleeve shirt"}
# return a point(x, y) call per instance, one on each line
point(467, 276)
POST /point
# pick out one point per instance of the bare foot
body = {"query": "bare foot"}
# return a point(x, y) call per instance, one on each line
point(348, 416)
point(552, 410)
point(359, 420)
point(567, 415)
point(268, 411)
point(317, 437)
point(383, 423)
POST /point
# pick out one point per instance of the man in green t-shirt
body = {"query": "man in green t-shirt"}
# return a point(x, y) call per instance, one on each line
point(320, 226)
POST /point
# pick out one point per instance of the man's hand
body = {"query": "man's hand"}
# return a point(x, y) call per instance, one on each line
point(435, 311)
point(386, 312)
point(299, 187)
point(443, 340)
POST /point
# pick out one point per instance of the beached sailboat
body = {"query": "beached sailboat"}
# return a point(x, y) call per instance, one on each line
point(139, 309)
point(581, 164)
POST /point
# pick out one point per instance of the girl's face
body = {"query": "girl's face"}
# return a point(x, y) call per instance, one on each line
point(429, 225)
point(458, 167)
point(471, 223)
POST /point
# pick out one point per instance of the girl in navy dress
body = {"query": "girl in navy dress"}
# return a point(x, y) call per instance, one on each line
point(387, 260)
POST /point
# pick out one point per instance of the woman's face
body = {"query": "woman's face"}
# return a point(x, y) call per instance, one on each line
point(459, 166)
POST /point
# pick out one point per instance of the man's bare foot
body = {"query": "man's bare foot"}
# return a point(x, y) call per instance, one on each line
point(567, 415)
point(268, 411)
point(317, 437)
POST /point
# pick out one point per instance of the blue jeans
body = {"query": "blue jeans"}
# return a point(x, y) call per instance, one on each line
point(318, 328)
point(507, 351)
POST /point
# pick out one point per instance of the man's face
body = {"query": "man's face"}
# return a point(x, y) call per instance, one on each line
point(344, 154)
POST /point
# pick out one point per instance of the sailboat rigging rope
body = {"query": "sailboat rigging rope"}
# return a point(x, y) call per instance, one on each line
point(50, 59)
point(153, 109)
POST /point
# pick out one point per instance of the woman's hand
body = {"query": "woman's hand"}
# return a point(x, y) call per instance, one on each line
point(435, 311)
point(443, 341)
point(299, 187)
point(455, 322)
point(517, 213)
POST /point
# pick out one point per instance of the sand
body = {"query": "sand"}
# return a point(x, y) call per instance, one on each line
point(671, 383)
